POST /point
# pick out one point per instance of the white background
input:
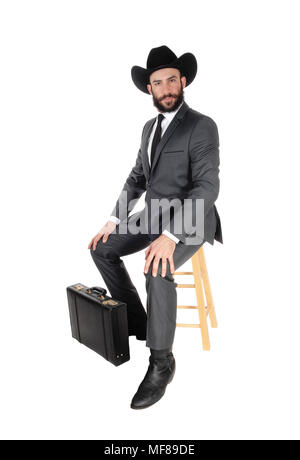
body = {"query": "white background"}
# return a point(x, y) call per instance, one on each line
point(71, 121)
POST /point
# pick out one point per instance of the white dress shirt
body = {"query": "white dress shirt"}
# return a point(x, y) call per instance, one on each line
point(164, 124)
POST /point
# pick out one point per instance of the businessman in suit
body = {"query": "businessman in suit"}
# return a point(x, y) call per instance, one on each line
point(177, 162)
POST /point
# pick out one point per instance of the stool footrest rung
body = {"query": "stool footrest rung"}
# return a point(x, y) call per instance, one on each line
point(194, 307)
point(188, 306)
point(187, 325)
point(185, 285)
point(183, 273)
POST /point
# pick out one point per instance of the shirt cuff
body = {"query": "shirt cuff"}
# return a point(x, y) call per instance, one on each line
point(114, 219)
point(170, 235)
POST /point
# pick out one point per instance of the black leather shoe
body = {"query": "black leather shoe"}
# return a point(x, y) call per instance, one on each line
point(152, 388)
point(140, 332)
point(141, 336)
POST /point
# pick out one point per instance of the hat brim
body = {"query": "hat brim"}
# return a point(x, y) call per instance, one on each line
point(187, 64)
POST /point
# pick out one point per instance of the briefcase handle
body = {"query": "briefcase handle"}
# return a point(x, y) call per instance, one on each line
point(100, 290)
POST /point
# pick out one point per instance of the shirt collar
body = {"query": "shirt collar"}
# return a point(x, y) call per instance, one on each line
point(170, 115)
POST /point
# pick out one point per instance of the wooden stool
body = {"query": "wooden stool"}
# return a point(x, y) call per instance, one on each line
point(202, 287)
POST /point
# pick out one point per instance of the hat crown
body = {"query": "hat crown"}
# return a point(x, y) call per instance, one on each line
point(159, 56)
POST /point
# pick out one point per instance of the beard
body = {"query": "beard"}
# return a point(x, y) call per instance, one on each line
point(178, 98)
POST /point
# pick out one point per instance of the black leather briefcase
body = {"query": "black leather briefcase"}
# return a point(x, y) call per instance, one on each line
point(99, 322)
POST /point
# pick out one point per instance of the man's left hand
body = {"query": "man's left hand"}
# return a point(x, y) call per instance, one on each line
point(162, 248)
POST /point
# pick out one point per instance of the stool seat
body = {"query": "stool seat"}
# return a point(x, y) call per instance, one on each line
point(205, 305)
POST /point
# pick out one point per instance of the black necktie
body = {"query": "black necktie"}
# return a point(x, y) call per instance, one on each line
point(156, 138)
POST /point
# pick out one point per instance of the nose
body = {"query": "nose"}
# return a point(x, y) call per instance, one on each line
point(167, 88)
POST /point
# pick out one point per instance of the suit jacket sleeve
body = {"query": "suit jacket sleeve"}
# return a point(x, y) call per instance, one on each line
point(132, 190)
point(204, 161)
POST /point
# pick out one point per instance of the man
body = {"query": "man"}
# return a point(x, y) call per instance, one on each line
point(178, 159)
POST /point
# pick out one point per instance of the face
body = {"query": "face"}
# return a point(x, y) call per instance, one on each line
point(166, 87)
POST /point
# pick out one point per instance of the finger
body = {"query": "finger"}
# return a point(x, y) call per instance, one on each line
point(96, 239)
point(89, 246)
point(155, 266)
point(164, 267)
point(171, 262)
point(148, 262)
point(106, 235)
point(147, 252)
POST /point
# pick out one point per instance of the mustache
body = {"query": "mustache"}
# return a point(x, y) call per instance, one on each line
point(169, 95)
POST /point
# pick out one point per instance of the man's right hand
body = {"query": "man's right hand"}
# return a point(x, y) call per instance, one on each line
point(104, 232)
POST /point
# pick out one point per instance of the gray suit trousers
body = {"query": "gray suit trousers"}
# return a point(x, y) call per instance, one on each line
point(160, 319)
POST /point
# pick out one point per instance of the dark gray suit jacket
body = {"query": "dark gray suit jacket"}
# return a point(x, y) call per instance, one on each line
point(186, 165)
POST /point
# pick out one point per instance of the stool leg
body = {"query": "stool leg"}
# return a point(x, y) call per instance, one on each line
point(207, 289)
point(200, 302)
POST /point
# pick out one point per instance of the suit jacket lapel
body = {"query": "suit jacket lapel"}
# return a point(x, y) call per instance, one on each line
point(169, 131)
point(145, 158)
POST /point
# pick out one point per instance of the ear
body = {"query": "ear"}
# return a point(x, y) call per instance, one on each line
point(149, 88)
point(183, 81)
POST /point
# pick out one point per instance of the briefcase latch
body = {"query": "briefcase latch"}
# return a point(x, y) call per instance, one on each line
point(78, 287)
point(110, 302)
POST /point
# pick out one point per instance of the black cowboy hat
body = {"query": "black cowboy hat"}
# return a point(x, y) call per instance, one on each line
point(160, 58)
